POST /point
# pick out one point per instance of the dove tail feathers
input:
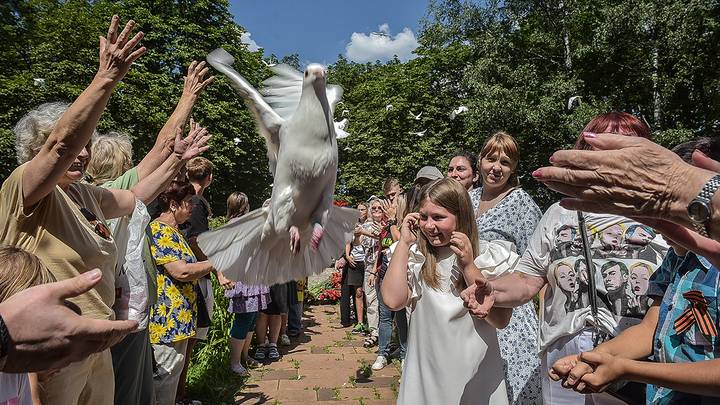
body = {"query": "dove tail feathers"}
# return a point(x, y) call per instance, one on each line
point(240, 252)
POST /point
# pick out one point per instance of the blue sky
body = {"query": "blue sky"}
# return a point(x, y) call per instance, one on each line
point(319, 30)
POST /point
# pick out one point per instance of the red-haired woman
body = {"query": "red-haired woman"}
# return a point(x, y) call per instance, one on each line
point(571, 329)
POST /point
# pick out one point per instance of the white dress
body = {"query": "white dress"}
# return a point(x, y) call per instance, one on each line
point(452, 358)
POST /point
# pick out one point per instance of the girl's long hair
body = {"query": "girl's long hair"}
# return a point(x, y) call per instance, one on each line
point(451, 195)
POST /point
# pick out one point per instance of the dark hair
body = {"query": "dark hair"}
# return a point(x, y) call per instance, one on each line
point(615, 122)
point(708, 146)
point(177, 191)
point(471, 158)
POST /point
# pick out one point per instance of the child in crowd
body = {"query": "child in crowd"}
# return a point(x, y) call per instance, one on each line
point(245, 301)
point(451, 356)
point(20, 270)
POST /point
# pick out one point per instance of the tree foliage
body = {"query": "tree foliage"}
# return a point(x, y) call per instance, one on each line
point(514, 64)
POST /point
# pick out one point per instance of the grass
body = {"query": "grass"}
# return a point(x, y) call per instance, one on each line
point(209, 377)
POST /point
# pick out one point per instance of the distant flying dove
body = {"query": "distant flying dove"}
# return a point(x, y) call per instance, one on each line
point(574, 102)
point(416, 116)
point(300, 231)
point(340, 129)
point(458, 111)
point(421, 133)
point(388, 107)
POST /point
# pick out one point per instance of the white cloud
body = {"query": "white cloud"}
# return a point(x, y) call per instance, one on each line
point(381, 45)
point(251, 45)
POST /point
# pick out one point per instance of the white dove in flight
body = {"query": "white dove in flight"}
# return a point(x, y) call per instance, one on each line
point(458, 111)
point(421, 133)
point(388, 107)
point(416, 116)
point(300, 230)
point(574, 102)
point(340, 129)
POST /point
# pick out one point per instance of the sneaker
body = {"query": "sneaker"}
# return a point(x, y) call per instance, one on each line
point(380, 363)
point(239, 370)
point(261, 353)
point(284, 340)
point(272, 352)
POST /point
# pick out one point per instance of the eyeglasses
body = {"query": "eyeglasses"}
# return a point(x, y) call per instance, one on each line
point(100, 228)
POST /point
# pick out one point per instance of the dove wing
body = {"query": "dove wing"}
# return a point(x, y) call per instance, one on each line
point(267, 120)
point(282, 91)
point(334, 94)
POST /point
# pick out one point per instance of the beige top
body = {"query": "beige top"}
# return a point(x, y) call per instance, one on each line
point(64, 240)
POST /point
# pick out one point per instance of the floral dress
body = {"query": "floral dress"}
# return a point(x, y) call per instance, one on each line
point(173, 318)
point(514, 219)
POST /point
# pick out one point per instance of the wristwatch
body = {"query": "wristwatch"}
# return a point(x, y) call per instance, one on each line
point(700, 208)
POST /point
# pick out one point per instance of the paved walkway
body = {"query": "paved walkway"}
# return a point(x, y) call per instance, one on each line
point(323, 367)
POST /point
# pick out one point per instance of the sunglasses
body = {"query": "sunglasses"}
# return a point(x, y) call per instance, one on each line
point(99, 227)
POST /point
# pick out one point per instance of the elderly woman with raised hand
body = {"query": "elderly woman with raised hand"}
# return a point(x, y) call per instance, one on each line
point(173, 319)
point(47, 211)
point(111, 166)
point(504, 211)
point(566, 327)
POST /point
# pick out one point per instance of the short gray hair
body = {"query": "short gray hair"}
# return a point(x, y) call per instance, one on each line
point(110, 153)
point(32, 131)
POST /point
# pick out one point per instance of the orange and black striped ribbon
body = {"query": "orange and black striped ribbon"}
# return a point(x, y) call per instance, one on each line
point(696, 313)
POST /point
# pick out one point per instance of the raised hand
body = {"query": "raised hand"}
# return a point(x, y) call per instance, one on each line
point(389, 208)
point(117, 53)
point(479, 298)
point(195, 81)
point(461, 246)
point(194, 144)
point(409, 228)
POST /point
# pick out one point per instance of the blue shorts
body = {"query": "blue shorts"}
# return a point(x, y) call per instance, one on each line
point(242, 324)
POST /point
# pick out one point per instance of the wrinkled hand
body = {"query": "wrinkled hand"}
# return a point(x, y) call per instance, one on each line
point(195, 81)
point(624, 175)
point(46, 334)
point(194, 144)
point(461, 246)
point(117, 53)
point(479, 298)
point(409, 228)
point(389, 208)
point(225, 283)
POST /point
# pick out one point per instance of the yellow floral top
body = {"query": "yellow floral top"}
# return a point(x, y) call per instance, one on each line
point(174, 316)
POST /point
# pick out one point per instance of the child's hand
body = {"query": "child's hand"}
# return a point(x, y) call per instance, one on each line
point(460, 244)
point(408, 231)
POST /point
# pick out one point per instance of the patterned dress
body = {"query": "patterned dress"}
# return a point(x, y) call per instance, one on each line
point(514, 219)
point(173, 318)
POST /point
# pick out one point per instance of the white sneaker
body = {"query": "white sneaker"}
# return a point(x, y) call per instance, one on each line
point(284, 340)
point(380, 363)
point(239, 370)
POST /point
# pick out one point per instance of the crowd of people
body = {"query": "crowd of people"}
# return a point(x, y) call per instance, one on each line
point(104, 290)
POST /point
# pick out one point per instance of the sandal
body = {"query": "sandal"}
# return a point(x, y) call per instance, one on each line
point(370, 341)
point(251, 363)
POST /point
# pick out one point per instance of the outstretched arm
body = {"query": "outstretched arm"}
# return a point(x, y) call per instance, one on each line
point(72, 132)
point(195, 83)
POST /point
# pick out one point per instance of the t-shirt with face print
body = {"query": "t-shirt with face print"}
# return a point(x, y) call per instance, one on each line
point(624, 254)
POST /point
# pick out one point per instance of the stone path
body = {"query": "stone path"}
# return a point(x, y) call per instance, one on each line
point(323, 367)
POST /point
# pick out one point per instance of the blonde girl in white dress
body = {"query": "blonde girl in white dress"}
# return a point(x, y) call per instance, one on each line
point(452, 357)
